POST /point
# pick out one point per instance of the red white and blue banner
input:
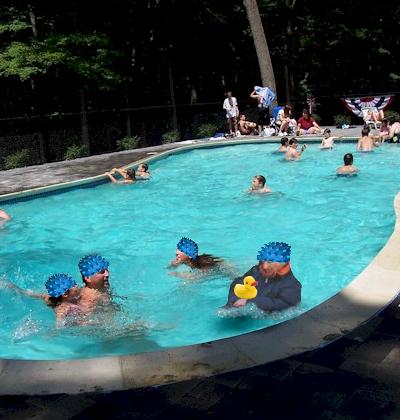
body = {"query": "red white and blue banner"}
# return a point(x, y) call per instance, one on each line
point(356, 105)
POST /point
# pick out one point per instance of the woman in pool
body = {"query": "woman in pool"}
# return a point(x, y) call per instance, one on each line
point(187, 253)
point(128, 175)
point(65, 298)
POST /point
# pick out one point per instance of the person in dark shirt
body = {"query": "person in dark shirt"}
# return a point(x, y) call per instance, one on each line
point(277, 287)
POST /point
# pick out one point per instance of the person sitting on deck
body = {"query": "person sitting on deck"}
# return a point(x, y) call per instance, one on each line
point(277, 287)
point(307, 125)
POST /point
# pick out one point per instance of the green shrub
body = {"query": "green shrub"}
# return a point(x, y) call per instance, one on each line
point(341, 119)
point(76, 151)
point(392, 114)
point(317, 118)
point(128, 143)
point(206, 130)
point(171, 136)
point(21, 158)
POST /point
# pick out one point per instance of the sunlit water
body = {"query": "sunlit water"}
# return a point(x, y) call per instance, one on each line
point(335, 226)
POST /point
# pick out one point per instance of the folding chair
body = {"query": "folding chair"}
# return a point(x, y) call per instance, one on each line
point(366, 115)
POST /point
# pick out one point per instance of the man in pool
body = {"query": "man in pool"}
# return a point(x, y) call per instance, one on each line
point(292, 153)
point(95, 275)
point(277, 287)
point(348, 168)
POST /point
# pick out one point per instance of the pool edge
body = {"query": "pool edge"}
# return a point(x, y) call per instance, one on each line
point(368, 294)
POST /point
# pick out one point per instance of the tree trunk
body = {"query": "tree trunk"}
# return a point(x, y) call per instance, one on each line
point(172, 95)
point(84, 123)
point(260, 43)
point(128, 115)
point(289, 77)
point(43, 137)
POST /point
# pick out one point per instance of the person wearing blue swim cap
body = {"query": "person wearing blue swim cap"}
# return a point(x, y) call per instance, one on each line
point(95, 274)
point(64, 297)
point(187, 253)
point(277, 287)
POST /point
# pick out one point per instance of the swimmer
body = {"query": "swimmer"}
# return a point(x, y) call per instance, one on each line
point(143, 171)
point(187, 254)
point(284, 145)
point(366, 142)
point(292, 153)
point(328, 140)
point(64, 297)
point(258, 185)
point(4, 216)
point(128, 175)
point(277, 287)
point(95, 275)
point(347, 168)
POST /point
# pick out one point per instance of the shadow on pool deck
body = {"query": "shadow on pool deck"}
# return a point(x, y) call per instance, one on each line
point(356, 377)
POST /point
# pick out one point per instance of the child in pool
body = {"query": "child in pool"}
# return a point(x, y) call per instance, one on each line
point(143, 171)
point(328, 140)
point(187, 253)
point(128, 175)
point(258, 185)
point(348, 168)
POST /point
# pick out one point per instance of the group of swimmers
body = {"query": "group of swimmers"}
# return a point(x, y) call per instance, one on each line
point(129, 176)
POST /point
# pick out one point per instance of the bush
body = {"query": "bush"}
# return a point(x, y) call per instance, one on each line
point(392, 115)
point(128, 143)
point(317, 118)
point(341, 119)
point(206, 130)
point(170, 136)
point(21, 158)
point(76, 151)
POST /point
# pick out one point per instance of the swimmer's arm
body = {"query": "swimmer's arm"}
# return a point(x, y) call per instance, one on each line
point(187, 276)
point(4, 215)
point(24, 292)
point(112, 179)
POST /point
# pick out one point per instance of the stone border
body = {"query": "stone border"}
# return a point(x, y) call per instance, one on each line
point(371, 291)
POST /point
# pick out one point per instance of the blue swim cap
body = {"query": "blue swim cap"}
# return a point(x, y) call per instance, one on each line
point(188, 247)
point(275, 252)
point(58, 284)
point(92, 264)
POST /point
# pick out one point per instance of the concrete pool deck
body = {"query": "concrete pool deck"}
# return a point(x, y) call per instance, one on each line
point(359, 301)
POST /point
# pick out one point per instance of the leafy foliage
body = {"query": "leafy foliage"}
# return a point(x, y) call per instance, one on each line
point(128, 143)
point(206, 130)
point(17, 160)
point(171, 136)
point(76, 151)
point(341, 119)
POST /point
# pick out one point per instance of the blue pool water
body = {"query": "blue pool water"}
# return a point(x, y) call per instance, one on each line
point(335, 225)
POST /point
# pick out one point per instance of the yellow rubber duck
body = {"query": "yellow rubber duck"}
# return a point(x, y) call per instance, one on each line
point(247, 290)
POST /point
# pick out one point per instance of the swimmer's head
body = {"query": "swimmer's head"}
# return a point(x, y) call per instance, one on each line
point(348, 159)
point(59, 284)
point(187, 247)
point(293, 142)
point(274, 252)
point(259, 181)
point(284, 141)
point(131, 173)
point(327, 132)
point(95, 273)
point(143, 167)
point(365, 132)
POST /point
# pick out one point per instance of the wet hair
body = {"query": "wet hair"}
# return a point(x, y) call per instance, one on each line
point(365, 132)
point(284, 141)
point(54, 301)
point(145, 166)
point(327, 130)
point(293, 140)
point(131, 173)
point(348, 159)
point(261, 178)
point(204, 261)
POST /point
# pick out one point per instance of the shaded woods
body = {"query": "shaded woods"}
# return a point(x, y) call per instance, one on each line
point(78, 79)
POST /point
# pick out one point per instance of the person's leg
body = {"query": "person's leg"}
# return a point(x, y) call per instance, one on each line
point(381, 115)
point(313, 130)
point(230, 126)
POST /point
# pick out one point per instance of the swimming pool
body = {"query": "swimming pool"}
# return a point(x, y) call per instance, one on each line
point(335, 226)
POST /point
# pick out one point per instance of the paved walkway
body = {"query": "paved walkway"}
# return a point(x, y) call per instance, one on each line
point(356, 377)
